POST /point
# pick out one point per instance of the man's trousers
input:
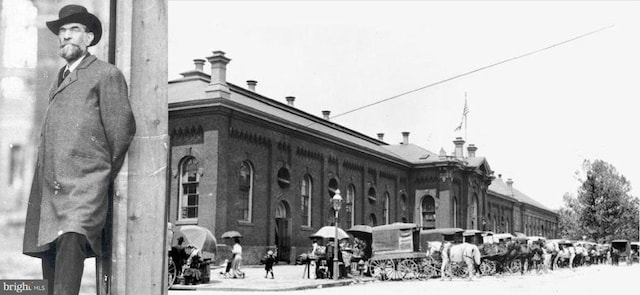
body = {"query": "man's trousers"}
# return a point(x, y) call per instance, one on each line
point(63, 264)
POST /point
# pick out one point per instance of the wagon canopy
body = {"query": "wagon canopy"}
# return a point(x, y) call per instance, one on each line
point(395, 237)
point(442, 234)
point(473, 236)
point(502, 236)
point(621, 245)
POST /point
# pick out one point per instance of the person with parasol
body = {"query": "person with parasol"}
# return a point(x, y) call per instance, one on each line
point(236, 251)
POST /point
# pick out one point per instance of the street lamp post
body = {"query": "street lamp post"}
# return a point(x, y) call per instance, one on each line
point(336, 202)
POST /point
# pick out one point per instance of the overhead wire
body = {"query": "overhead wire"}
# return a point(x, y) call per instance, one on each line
point(470, 72)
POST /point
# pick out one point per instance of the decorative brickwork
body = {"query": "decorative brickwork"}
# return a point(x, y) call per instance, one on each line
point(187, 135)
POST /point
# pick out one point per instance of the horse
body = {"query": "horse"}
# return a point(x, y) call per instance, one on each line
point(434, 248)
point(581, 256)
point(551, 249)
point(615, 256)
point(565, 253)
point(464, 252)
point(520, 250)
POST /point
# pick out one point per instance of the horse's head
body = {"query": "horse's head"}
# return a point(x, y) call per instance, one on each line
point(476, 254)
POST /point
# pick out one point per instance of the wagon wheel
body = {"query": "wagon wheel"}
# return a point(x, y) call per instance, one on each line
point(487, 267)
point(393, 272)
point(428, 269)
point(459, 269)
point(171, 274)
point(382, 268)
point(515, 266)
point(408, 269)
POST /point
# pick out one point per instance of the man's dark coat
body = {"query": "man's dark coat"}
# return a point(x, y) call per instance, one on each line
point(86, 132)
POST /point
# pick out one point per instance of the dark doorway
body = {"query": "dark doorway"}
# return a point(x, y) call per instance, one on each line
point(282, 236)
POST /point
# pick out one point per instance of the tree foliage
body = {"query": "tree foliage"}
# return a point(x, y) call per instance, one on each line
point(603, 209)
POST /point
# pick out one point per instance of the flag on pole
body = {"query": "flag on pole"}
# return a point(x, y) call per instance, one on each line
point(465, 111)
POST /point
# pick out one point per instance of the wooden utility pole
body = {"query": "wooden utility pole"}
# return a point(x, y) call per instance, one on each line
point(137, 260)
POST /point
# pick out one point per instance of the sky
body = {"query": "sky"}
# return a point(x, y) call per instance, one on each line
point(535, 118)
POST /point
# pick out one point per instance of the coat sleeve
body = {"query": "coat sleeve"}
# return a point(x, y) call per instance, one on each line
point(117, 117)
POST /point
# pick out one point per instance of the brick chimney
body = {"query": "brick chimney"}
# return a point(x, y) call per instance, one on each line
point(198, 72)
point(199, 64)
point(381, 136)
point(459, 143)
point(218, 87)
point(325, 114)
point(510, 185)
point(471, 149)
point(290, 100)
point(443, 154)
point(405, 138)
point(252, 85)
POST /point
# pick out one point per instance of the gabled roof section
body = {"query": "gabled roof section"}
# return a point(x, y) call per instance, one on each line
point(499, 187)
point(413, 153)
point(528, 200)
point(193, 88)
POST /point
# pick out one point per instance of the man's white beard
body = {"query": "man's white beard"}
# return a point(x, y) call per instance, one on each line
point(70, 52)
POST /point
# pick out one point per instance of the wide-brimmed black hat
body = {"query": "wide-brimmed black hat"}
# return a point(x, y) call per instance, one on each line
point(77, 14)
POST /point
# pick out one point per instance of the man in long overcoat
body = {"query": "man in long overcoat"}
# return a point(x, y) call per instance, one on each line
point(87, 129)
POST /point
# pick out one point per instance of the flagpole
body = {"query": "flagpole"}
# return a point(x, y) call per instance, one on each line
point(465, 117)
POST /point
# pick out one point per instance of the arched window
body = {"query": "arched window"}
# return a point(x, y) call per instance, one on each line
point(371, 194)
point(428, 212)
point(473, 212)
point(372, 220)
point(245, 177)
point(351, 203)
point(386, 207)
point(333, 186)
point(305, 200)
point(455, 212)
point(189, 181)
point(403, 207)
point(495, 224)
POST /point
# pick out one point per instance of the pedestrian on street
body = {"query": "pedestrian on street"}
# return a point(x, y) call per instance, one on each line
point(178, 255)
point(85, 135)
point(269, 260)
point(237, 259)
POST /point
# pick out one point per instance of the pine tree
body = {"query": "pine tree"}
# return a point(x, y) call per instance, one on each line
point(605, 209)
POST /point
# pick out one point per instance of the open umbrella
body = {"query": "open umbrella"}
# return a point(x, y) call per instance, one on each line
point(198, 236)
point(231, 234)
point(328, 232)
point(360, 228)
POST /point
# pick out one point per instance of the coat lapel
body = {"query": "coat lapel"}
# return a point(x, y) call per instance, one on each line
point(73, 76)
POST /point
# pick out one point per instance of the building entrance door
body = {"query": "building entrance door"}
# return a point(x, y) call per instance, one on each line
point(282, 235)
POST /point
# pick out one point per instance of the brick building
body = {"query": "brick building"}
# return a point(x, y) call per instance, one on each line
point(242, 161)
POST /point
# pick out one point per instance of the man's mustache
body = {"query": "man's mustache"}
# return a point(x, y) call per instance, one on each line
point(71, 44)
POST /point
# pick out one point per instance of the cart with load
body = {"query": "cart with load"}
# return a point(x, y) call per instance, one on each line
point(395, 252)
point(620, 250)
point(484, 241)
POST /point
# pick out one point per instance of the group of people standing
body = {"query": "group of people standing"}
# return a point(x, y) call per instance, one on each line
point(322, 257)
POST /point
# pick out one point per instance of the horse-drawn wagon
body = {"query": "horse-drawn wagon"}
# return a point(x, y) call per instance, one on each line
point(620, 250)
point(485, 242)
point(396, 252)
point(451, 249)
point(403, 251)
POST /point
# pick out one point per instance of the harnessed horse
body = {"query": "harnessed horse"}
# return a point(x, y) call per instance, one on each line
point(465, 252)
